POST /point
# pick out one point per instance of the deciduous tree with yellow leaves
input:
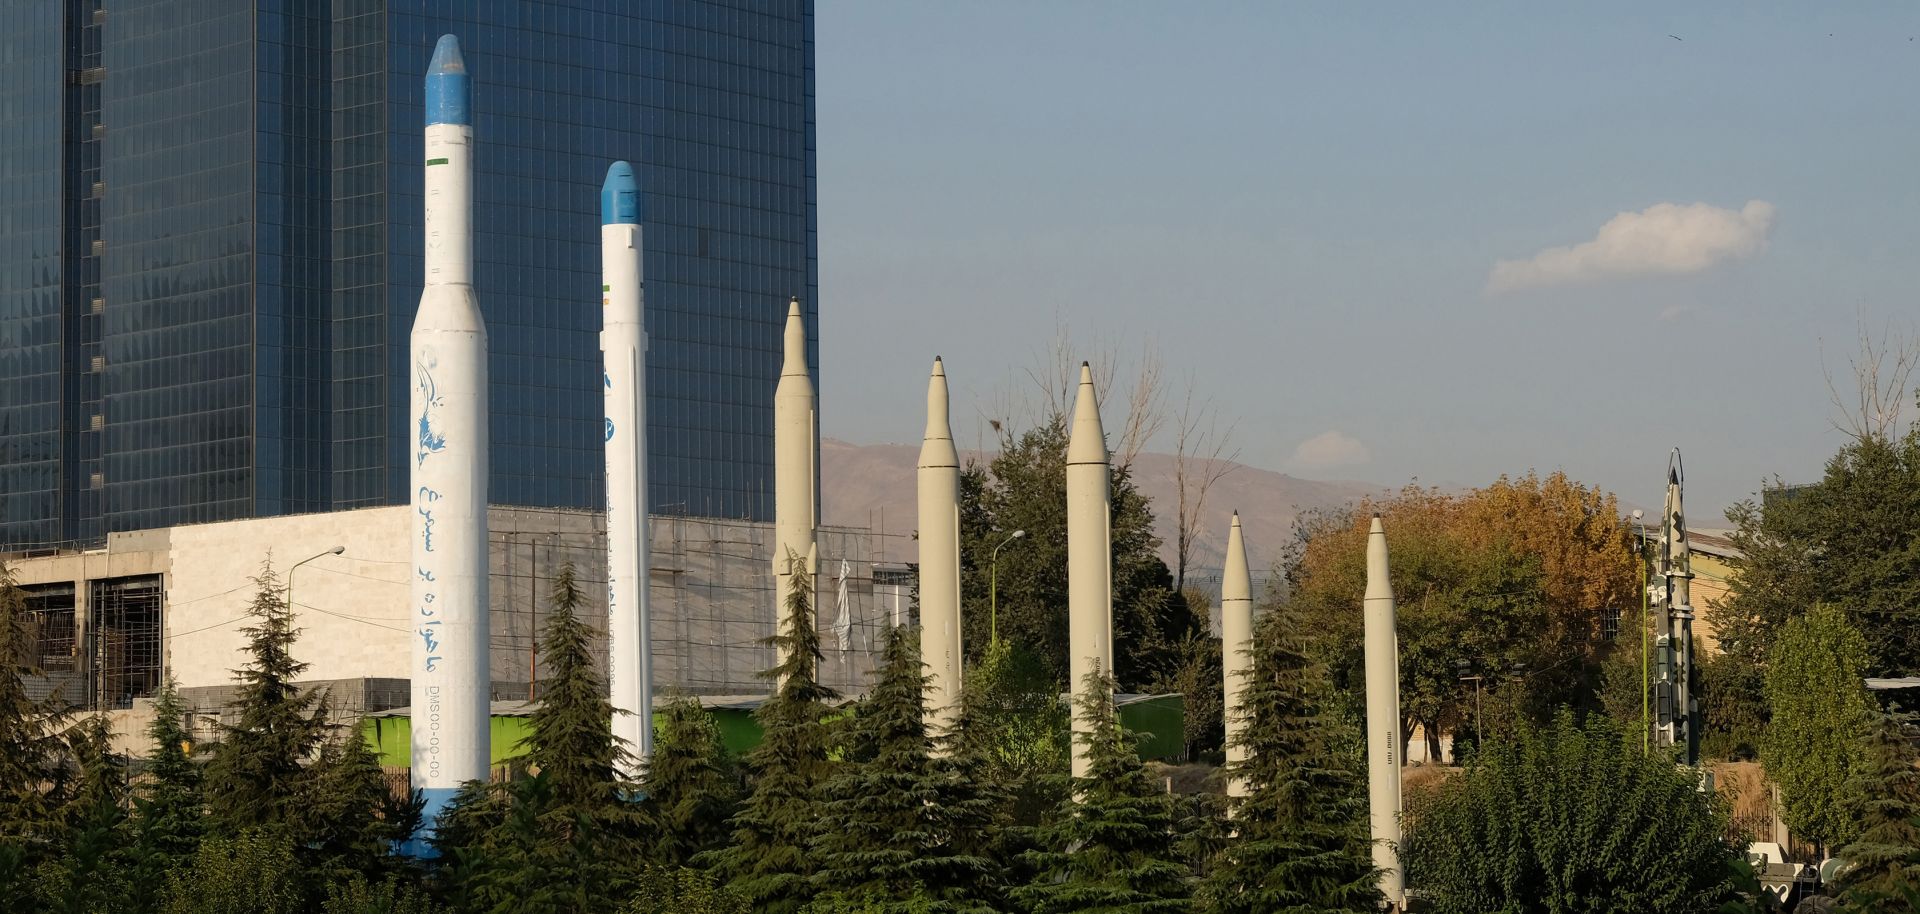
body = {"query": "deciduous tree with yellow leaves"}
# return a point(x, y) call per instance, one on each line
point(1517, 578)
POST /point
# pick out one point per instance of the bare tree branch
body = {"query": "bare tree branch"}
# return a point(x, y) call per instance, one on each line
point(1882, 381)
point(1202, 455)
point(1145, 415)
point(1053, 378)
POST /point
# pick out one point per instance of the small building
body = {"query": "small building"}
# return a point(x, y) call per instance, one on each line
point(111, 623)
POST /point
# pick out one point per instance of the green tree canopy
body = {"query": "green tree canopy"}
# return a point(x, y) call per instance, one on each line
point(768, 862)
point(1301, 843)
point(1111, 849)
point(691, 785)
point(881, 844)
point(567, 840)
point(1459, 602)
point(1024, 488)
point(168, 809)
point(1822, 717)
point(32, 752)
point(1562, 819)
point(1885, 858)
point(1015, 729)
point(258, 777)
point(1851, 540)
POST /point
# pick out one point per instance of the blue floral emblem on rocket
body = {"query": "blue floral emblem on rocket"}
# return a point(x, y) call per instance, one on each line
point(431, 441)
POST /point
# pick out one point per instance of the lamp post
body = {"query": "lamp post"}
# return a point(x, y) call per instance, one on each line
point(1467, 673)
point(296, 567)
point(993, 588)
point(1646, 648)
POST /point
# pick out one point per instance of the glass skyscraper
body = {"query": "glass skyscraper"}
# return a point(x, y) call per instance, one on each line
point(210, 247)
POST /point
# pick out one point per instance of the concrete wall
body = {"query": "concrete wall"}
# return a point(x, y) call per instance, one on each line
point(713, 601)
point(350, 608)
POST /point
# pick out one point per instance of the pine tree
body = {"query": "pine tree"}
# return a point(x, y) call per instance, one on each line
point(257, 777)
point(768, 862)
point(91, 872)
point(1111, 849)
point(462, 838)
point(881, 842)
point(567, 842)
point(31, 748)
point(350, 819)
point(1301, 844)
point(168, 811)
point(571, 731)
point(1886, 857)
point(690, 785)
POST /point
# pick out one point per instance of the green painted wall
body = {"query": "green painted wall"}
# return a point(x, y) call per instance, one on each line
point(1157, 719)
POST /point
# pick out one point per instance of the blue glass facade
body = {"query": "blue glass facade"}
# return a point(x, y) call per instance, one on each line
point(31, 277)
point(211, 253)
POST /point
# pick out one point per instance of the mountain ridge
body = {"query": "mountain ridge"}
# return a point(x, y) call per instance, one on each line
point(873, 485)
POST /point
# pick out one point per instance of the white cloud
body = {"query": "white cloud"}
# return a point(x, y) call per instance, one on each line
point(1330, 449)
point(1665, 238)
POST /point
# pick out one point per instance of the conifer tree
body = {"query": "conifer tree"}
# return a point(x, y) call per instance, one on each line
point(690, 785)
point(1110, 849)
point(350, 819)
point(90, 873)
point(768, 862)
point(257, 776)
point(882, 844)
point(570, 737)
point(567, 843)
point(462, 841)
point(1300, 844)
point(31, 748)
point(168, 810)
point(1885, 859)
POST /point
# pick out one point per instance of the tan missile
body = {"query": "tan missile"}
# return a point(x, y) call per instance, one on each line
point(1089, 555)
point(1382, 660)
point(795, 507)
point(1236, 645)
point(939, 484)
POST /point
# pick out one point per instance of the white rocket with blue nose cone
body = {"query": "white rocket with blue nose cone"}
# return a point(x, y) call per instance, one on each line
point(623, 346)
point(450, 673)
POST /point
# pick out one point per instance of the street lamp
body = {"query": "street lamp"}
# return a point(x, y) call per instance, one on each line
point(993, 588)
point(1467, 673)
point(1646, 649)
point(296, 567)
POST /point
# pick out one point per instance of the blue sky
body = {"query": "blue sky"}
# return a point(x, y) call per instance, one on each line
point(1301, 205)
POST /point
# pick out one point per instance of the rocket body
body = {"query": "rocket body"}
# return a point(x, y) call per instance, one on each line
point(1236, 645)
point(795, 507)
point(450, 674)
point(939, 490)
point(1382, 661)
point(1677, 567)
point(623, 347)
point(1089, 556)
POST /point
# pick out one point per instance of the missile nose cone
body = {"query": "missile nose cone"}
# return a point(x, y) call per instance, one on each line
point(1087, 442)
point(620, 196)
point(448, 95)
point(1377, 528)
point(938, 428)
point(795, 361)
point(1235, 582)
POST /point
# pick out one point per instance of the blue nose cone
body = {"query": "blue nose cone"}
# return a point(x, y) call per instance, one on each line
point(449, 98)
point(620, 196)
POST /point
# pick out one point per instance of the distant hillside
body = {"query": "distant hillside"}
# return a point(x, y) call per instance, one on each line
point(873, 486)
